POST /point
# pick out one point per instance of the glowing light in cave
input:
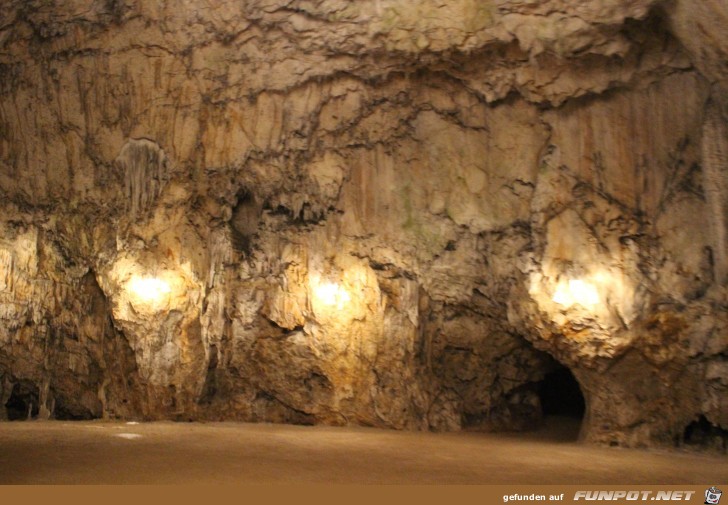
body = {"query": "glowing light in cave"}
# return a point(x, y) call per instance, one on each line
point(129, 436)
point(575, 292)
point(332, 294)
point(150, 291)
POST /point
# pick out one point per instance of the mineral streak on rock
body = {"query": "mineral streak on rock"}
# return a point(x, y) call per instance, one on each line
point(144, 168)
point(380, 213)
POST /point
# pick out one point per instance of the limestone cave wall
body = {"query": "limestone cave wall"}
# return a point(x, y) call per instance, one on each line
point(367, 212)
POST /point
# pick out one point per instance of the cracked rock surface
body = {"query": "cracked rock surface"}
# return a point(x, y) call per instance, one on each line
point(378, 213)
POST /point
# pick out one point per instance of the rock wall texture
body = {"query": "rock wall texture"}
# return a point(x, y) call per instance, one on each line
point(383, 213)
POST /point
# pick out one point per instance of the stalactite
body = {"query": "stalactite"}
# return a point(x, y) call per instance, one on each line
point(145, 169)
point(6, 271)
point(220, 254)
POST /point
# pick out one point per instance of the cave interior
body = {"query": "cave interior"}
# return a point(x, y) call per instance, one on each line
point(429, 215)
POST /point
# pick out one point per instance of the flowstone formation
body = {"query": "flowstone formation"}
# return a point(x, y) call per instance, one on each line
point(379, 213)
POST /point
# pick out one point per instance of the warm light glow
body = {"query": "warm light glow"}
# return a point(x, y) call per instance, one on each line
point(129, 436)
point(149, 290)
point(330, 293)
point(574, 292)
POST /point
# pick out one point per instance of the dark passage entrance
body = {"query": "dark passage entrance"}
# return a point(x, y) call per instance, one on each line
point(706, 436)
point(23, 402)
point(561, 395)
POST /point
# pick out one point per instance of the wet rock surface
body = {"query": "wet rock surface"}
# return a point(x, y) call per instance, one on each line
point(387, 214)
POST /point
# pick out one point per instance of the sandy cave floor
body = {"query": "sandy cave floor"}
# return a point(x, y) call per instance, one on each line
point(98, 452)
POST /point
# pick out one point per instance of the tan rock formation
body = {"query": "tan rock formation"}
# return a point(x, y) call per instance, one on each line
point(383, 213)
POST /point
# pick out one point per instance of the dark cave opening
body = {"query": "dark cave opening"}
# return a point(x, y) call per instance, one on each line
point(703, 434)
point(70, 411)
point(561, 396)
point(23, 403)
point(244, 221)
